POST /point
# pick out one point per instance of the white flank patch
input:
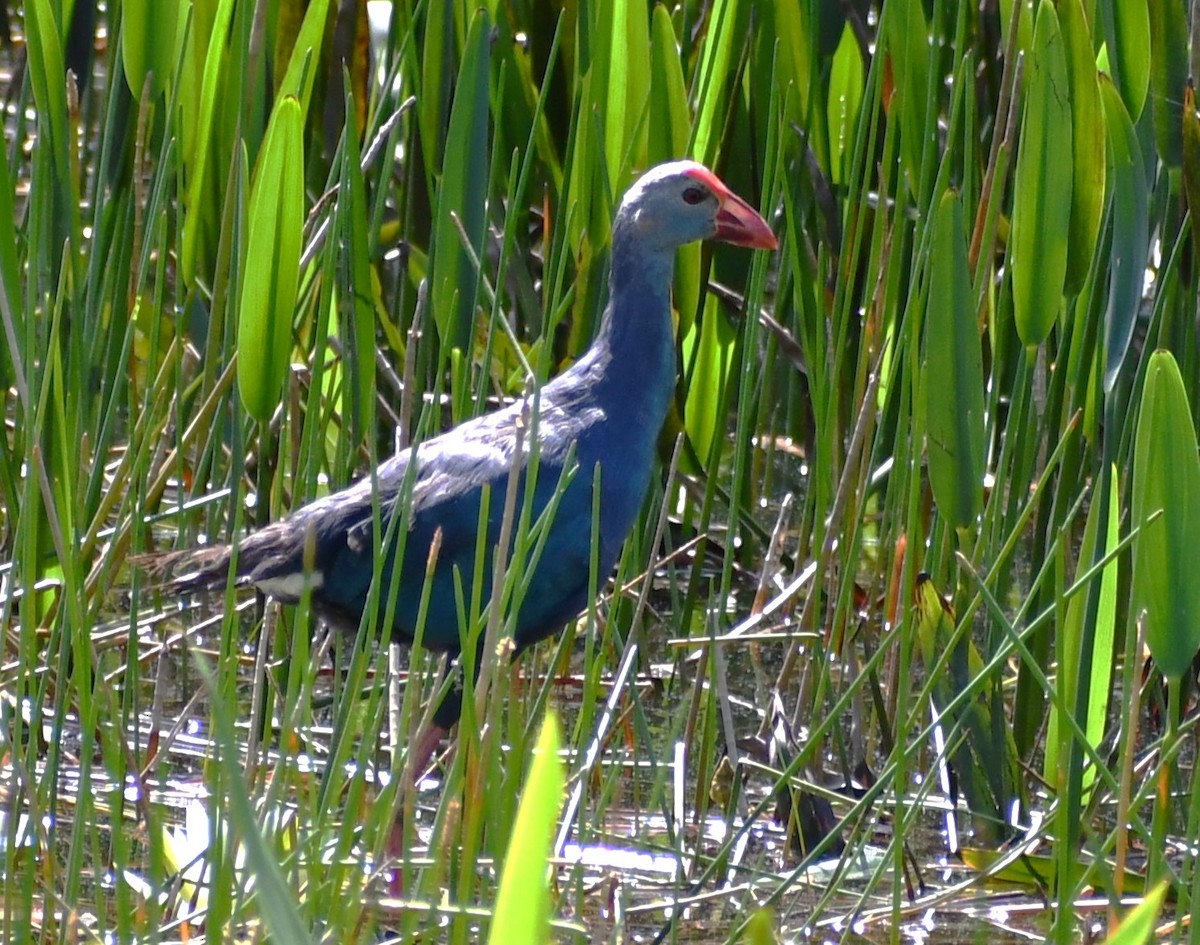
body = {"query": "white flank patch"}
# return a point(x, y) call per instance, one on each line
point(291, 586)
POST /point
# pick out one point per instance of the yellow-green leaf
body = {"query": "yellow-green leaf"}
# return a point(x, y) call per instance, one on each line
point(953, 377)
point(1129, 52)
point(272, 268)
point(201, 119)
point(628, 84)
point(671, 120)
point(1042, 187)
point(1024, 25)
point(847, 78)
point(1138, 928)
point(306, 53)
point(523, 900)
point(1166, 484)
point(708, 360)
point(148, 39)
point(359, 328)
point(463, 194)
point(909, 49)
point(1087, 129)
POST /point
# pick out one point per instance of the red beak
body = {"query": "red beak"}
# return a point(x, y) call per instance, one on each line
point(740, 224)
point(737, 222)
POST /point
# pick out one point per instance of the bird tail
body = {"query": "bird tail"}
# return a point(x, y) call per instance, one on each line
point(192, 569)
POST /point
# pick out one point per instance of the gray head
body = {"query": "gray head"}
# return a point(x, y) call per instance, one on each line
point(681, 202)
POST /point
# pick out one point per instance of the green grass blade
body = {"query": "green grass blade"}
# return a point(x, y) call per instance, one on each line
point(277, 902)
point(47, 75)
point(462, 195)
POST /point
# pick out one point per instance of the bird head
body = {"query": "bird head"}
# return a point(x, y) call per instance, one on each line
point(682, 201)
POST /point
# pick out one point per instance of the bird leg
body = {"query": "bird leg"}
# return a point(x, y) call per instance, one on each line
point(417, 764)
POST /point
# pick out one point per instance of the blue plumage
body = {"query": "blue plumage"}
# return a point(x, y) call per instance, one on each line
point(604, 413)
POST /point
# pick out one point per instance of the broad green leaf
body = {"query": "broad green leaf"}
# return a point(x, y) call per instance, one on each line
point(953, 377)
point(710, 85)
point(268, 298)
point(1042, 187)
point(1130, 233)
point(796, 48)
point(1168, 75)
point(149, 30)
point(437, 69)
point(201, 119)
point(671, 120)
point(909, 51)
point(846, 80)
point(1128, 38)
point(463, 194)
point(523, 900)
point(669, 115)
point(628, 85)
point(1087, 128)
point(708, 354)
point(1166, 480)
point(1024, 26)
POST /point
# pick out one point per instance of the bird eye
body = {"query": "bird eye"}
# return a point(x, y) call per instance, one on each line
point(693, 195)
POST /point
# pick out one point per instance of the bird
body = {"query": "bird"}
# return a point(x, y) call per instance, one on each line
point(602, 416)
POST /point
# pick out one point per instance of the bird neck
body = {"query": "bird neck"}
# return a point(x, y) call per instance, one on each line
point(637, 329)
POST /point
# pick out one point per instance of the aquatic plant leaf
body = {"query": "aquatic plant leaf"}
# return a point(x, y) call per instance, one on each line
point(1127, 33)
point(273, 246)
point(523, 900)
point(953, 396)
point(463, 194)
point(1168, 76)
point(1166, 486)
point(1130, 233)
point(1139, 927)
point(149, 31)
point(1087, 131)
point(1042, 187)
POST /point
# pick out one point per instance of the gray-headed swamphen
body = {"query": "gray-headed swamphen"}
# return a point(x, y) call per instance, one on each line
point(604, 413)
